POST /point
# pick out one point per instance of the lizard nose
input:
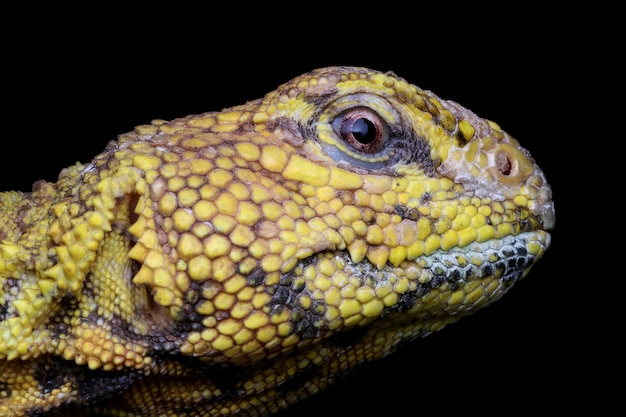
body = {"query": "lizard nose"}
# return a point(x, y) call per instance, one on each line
point(538, 188)
point(547, 215)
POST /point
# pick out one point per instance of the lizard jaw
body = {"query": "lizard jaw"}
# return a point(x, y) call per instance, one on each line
point(443, 284)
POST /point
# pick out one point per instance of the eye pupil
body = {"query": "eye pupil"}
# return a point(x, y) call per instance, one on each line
point(364, 131)
point(362, 128)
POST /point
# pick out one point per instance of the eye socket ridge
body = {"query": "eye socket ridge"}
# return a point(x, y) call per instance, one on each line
point(362, 128)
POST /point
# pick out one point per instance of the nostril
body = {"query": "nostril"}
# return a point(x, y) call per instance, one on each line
point(504, 163)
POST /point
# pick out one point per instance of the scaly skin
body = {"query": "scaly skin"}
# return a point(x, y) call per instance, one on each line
point(236, 262)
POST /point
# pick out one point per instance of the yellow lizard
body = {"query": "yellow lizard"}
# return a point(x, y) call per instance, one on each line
point(236, 262)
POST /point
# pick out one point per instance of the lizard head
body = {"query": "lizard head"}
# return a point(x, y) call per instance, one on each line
point(417, 205)
point(345, 196)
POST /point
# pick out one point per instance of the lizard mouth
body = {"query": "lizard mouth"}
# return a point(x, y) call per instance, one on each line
point(443, 284)
point(507, 259)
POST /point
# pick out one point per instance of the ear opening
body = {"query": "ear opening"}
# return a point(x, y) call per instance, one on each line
point(133, 199)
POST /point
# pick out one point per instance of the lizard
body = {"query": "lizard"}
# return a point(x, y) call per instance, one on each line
point(235, 262)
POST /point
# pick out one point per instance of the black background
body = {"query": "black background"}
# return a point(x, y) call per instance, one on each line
point(71, 84)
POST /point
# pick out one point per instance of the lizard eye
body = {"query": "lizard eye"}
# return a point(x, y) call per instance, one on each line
point(362, 128)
